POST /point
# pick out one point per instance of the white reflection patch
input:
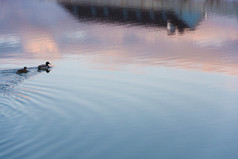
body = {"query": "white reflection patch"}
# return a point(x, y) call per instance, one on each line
point(9, 41)
point(75, 36)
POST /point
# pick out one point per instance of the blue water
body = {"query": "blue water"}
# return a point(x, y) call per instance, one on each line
point(141, 80)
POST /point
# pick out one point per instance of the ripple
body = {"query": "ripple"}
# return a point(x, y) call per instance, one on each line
point(131, 80)
point(98, 114)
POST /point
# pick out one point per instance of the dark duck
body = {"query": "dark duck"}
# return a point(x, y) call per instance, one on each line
point(44, 66)
point(24, 70)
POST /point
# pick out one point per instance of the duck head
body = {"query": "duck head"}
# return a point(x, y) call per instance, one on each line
point(47, 63)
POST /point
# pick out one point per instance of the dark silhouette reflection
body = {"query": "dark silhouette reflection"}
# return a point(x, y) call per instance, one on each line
point(9, 79)
point(158, 17)
point(45, 70)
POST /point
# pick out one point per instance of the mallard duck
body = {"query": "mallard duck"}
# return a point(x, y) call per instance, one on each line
point(24, 70)
point(44, 66)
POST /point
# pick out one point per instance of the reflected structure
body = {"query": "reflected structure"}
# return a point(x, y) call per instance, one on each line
point(171, 14)
point(151, 15)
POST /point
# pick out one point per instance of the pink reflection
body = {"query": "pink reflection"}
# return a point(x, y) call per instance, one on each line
point(41, 45)
point(211, 47)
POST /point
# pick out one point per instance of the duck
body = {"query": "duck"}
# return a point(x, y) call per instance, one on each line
point(44, 66)
point(24, 70)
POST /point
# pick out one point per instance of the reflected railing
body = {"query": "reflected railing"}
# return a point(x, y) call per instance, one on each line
point(170, 14)
point(154, 15)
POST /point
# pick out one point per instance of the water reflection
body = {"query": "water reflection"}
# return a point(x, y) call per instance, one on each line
point(115, 33)
point(98, 113)
point(173, 15)
point(137, 16)
point(208, 44)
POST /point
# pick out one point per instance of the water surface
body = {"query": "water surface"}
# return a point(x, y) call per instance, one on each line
point(130, 79)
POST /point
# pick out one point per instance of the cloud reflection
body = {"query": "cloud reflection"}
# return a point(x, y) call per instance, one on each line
point(208, 44)
point(40, 44)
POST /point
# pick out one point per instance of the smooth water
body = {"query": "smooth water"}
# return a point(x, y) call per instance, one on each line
point(141, 79)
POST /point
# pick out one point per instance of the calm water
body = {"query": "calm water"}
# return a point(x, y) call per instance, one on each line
point(131, 79)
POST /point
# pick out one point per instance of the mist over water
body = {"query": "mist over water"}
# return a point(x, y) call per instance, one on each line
point(129, 79)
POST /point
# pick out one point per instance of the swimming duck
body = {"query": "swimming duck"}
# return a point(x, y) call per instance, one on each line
point(44, 67)
point(24, 70)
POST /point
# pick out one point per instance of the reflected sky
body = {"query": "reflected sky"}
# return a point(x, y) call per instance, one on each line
point(200, 35)
point(130, 79)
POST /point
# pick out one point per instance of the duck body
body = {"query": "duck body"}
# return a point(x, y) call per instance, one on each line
point(44, 66)
point(24, 70)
